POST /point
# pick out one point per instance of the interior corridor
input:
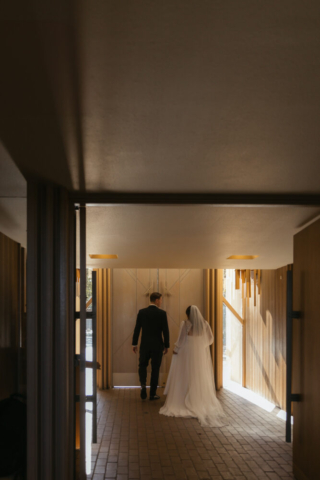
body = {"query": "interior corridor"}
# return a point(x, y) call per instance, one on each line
point(135, 442)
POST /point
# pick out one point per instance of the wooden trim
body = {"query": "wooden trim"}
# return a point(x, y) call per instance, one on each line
point(255, 288)
point(244, 354)
point(259, 282)
point(110, 366)
point(248, 283)
point(105, 326)
point(212, 316)
point(244, 200)
point(237, 279)
point(206, 294)
point(232, 310)
point(219, 328)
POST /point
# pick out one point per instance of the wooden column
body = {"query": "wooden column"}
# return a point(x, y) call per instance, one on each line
point(50, 334)
point(206, 294)
point(104, 333)
point(218, 279)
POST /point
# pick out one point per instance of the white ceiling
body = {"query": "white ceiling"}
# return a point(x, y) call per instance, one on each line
point(183, 96)
point(193, 236)
point(170, 96)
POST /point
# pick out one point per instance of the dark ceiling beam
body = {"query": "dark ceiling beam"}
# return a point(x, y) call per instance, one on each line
point(223, 199)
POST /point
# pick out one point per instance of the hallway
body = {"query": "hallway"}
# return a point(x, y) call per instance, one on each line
point(135, 442)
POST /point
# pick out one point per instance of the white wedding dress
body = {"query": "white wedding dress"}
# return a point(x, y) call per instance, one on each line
point(190, 387)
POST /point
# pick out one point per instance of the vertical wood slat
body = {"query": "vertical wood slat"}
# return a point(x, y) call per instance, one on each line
point(212, 292)
point(219, 328)
point(265, 333)
point(259, 281)
point(244, 354)
point(83, 278)
point(206, 294)
point(248, 284)
point(110, 366)
point(255, 287)
point(104, 334)
point(237, 279)
point(243, 280)
point(107, 328)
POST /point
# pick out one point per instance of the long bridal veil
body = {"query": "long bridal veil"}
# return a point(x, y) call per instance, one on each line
point(201, 399)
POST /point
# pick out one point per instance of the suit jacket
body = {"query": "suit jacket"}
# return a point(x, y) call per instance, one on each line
point(155, 332)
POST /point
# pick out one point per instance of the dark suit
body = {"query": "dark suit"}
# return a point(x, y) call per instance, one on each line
point(155, 337)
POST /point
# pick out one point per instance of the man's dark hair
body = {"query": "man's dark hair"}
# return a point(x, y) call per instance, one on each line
point(188, 311)
point(155, 296)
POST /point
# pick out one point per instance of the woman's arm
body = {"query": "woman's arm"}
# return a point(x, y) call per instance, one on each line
point(181, 339)
point(209, 334)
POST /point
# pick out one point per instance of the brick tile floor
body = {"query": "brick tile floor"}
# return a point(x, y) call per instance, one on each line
point(135, 442)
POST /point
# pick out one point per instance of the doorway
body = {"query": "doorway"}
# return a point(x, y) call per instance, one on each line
point(233, 334)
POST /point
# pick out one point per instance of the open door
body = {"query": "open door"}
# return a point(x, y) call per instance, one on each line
point(305, 392)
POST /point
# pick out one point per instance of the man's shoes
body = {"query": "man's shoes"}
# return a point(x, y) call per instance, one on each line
point(154, 397)
point(143, 393)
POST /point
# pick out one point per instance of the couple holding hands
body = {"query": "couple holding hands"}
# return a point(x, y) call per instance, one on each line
point(190, 387)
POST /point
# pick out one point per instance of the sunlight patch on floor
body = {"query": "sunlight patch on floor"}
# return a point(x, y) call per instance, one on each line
point(245, 393)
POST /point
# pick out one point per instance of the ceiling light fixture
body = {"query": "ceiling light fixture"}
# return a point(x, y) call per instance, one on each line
point(242, 257)
point(104, 257)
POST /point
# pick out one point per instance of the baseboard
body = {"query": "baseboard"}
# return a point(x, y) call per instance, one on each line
point(299, 474)
point(132, 379)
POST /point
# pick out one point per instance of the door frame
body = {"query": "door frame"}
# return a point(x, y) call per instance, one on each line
point(84, 200)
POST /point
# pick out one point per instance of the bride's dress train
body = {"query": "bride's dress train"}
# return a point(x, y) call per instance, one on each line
point(190, 387)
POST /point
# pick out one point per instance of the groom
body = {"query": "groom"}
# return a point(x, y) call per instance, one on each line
point(154, 343)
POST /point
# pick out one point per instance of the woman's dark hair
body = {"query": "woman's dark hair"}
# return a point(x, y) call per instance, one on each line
point(188, 311)
point(155, 296)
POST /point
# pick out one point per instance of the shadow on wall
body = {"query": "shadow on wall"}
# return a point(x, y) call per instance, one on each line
point(263, 371)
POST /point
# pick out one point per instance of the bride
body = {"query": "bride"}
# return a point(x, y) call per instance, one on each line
point(190, 387)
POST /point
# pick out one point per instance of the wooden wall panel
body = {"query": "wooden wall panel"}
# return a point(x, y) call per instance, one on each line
point(104, 339)
point(266, 337)
point(130, 293)
point(180, 288)
point(306, 353)
point(218, 328)
point(12, 317)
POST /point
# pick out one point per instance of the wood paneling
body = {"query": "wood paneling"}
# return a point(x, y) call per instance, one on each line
point(12, 317)
point(104, 338)
point(218, 330)
point(130, 293)
point(266, 337)
point(306, 353)
point(180, 288)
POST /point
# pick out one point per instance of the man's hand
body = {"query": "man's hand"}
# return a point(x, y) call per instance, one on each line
point(134, 349)
point(165, 351)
